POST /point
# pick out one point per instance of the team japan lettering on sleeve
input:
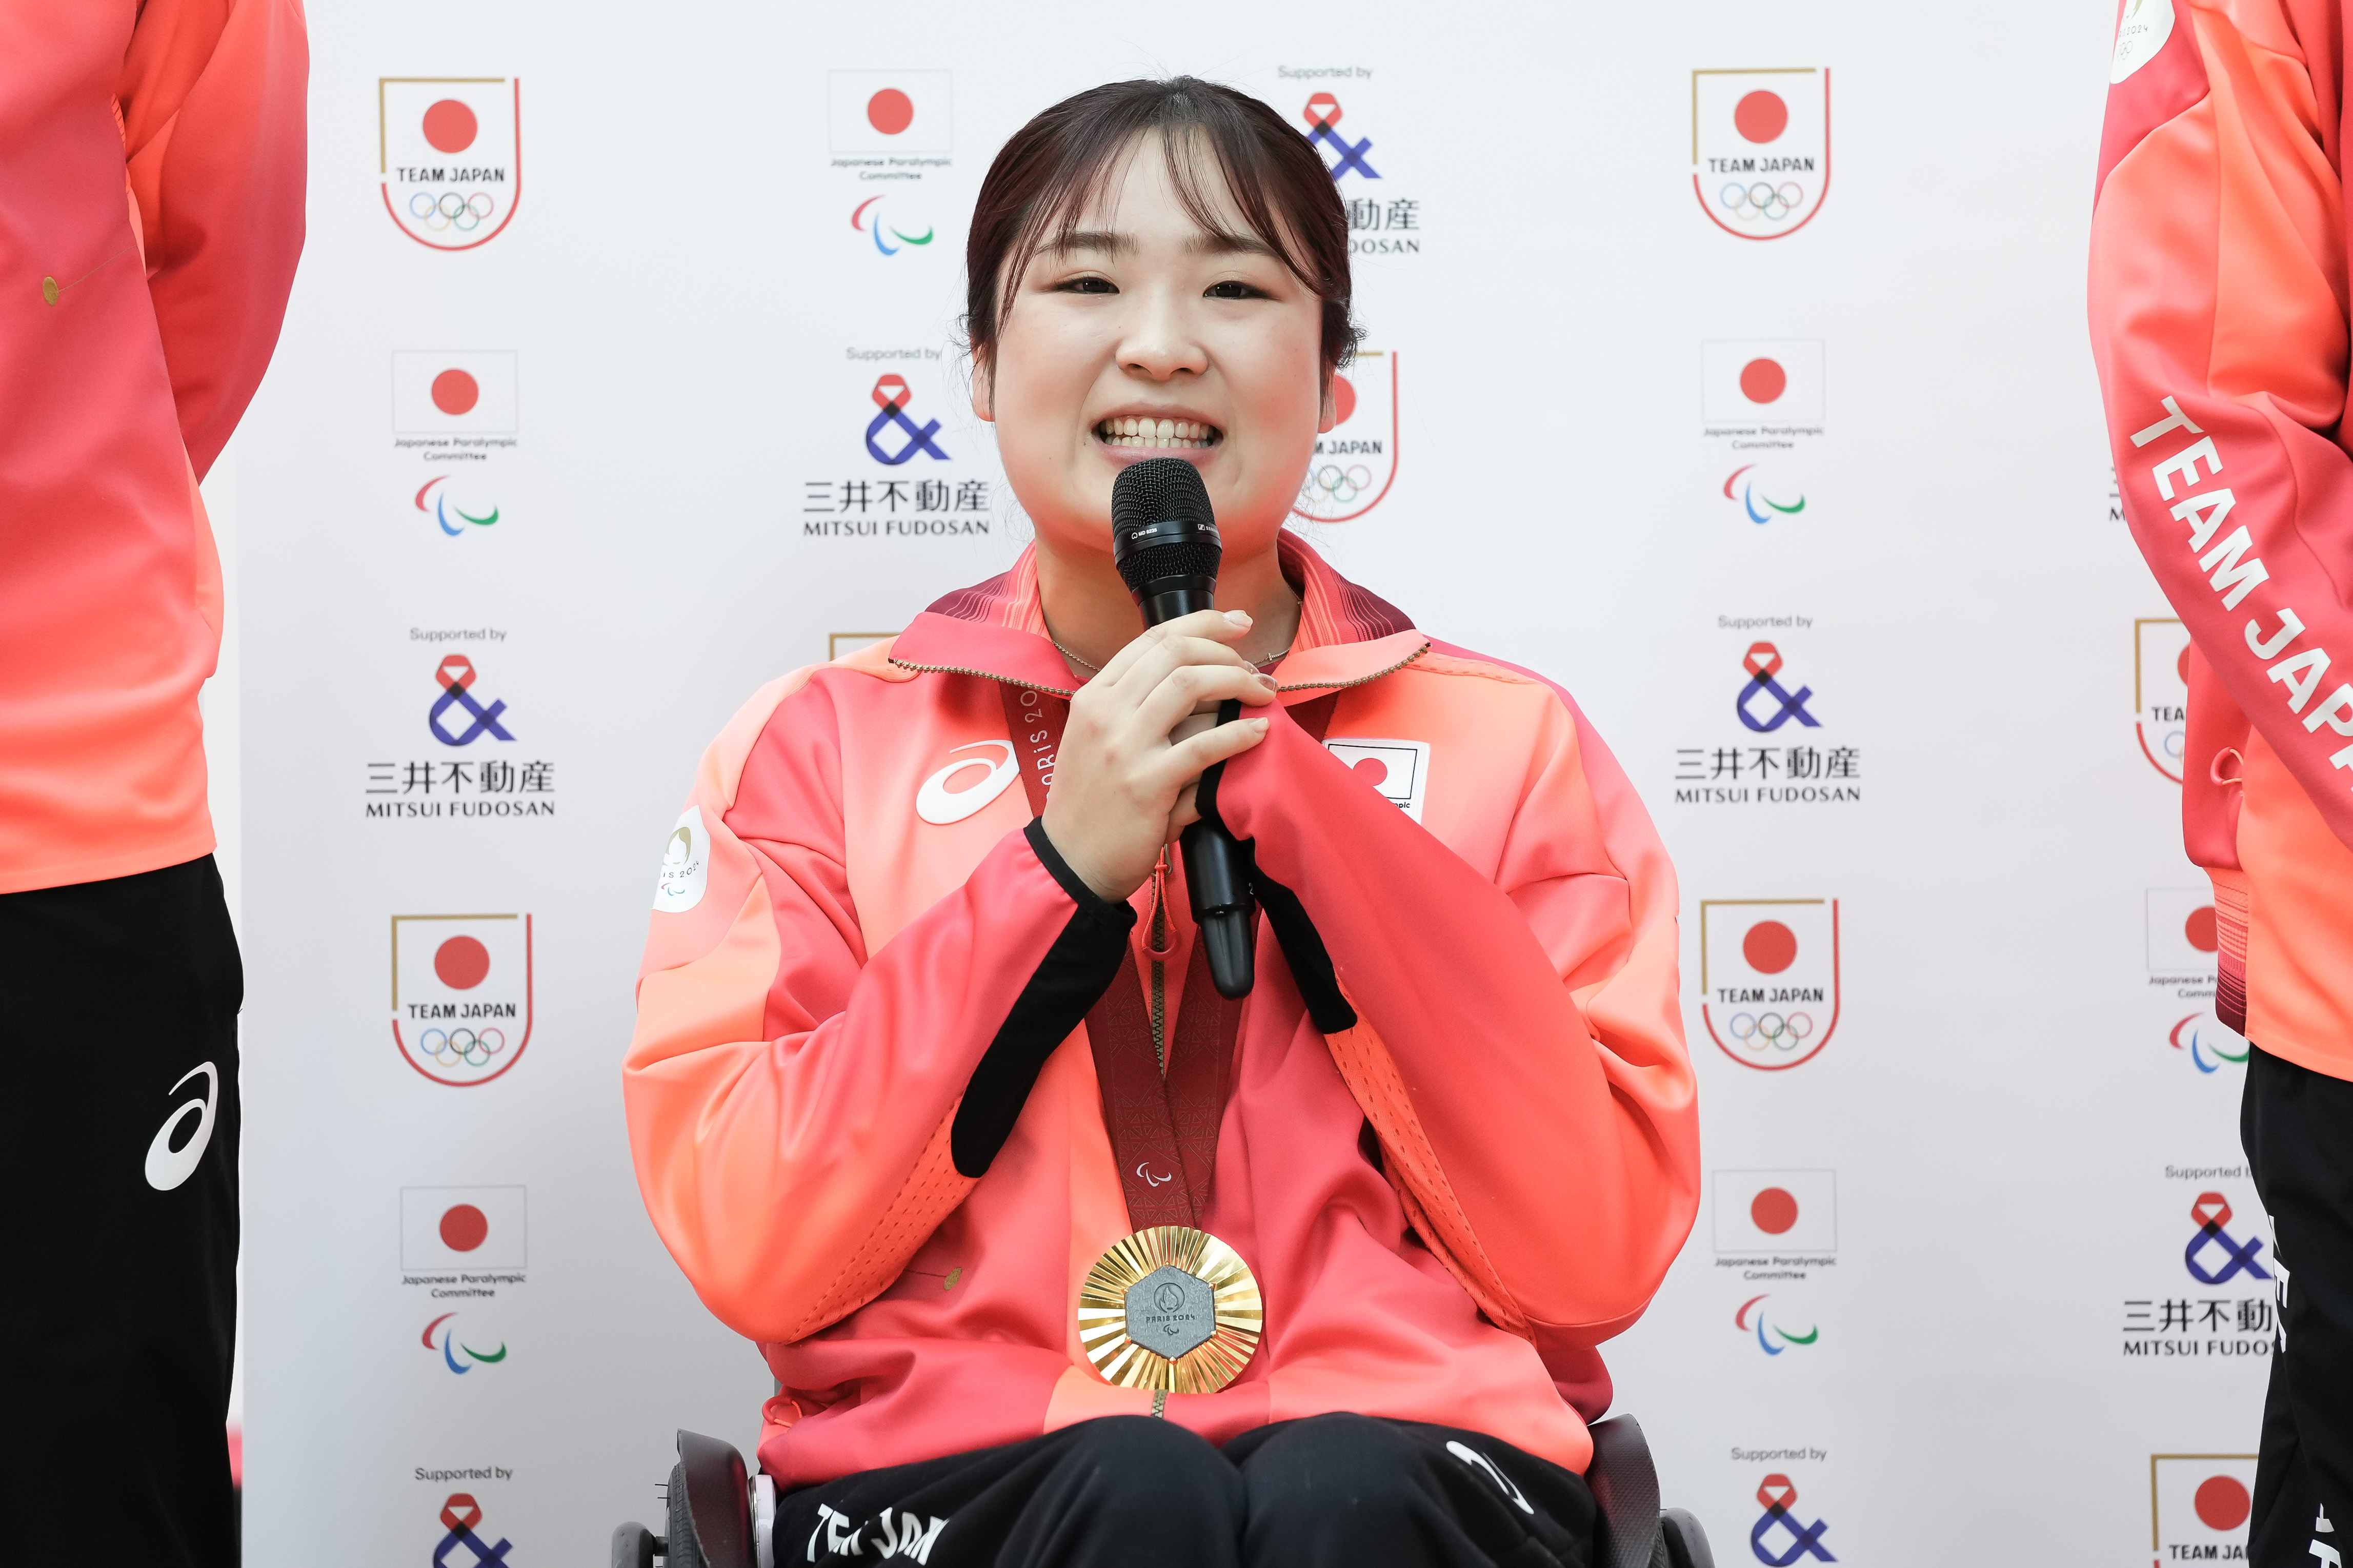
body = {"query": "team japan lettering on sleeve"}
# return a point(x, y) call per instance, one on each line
point(2237, 574)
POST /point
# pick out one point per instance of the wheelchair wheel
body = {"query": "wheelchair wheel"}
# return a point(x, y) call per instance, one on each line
point(684, 1550)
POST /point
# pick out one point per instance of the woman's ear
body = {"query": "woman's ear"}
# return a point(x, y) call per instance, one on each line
point(1326, 417)
point(983, 390)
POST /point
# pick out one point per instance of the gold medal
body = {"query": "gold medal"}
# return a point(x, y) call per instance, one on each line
point(1172, 1309)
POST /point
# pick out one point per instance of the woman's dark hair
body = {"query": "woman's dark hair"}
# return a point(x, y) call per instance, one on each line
point(1056, 165)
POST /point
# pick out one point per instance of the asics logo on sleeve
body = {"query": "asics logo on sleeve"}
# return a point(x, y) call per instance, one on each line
point(936, 803)
point(168, 1167)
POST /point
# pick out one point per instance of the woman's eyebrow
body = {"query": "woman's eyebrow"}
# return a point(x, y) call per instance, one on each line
point(1108, 243)
point(1208, 243)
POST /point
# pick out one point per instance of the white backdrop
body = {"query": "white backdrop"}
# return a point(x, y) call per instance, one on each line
point(1938, 1286)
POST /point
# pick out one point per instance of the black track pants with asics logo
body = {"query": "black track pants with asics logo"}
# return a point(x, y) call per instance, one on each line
point(1129, 1491)
point(118, 1035)
point(2297, 1126)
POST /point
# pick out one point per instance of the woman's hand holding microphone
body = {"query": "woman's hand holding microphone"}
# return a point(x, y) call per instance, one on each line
point(1141, 733)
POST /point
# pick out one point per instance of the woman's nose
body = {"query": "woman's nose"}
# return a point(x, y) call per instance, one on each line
point(1160, 341)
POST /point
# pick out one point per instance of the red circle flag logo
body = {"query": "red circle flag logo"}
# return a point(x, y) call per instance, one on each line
point(455, 391)
point(1761, 149)
point(1761, 116)
point(450, 126)
point(1774, 1210)
point(464, 1226)
point(890, 111)
point(2222, 1502)
point(890, 115)
point(1769, 947)
point(1763, 381)
point(461, 963)
point(1768, 977)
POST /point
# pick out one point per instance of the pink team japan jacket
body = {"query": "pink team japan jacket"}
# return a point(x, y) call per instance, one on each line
point(868, 1125)
point(2219, 320)
point(151, 156)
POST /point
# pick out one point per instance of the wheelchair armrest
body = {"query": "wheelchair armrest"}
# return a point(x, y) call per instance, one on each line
point(718, 1500)
point(1625, 1486)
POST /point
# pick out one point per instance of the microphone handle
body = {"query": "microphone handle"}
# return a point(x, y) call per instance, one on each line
point(1217, 868)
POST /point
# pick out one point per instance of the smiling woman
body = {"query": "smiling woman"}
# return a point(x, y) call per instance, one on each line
point(1058, 1254)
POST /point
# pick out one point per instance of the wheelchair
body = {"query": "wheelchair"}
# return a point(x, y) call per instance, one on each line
point(723, 1516)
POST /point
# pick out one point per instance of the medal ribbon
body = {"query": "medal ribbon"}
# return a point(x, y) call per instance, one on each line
point(1164, 1128)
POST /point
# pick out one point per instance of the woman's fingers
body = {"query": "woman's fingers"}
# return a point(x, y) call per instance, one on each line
point(1208, 625)
point(1193, 687)
point(1183, 763)
point(1155, 664)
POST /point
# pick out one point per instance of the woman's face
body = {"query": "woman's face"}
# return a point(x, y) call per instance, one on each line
point(1142, 321)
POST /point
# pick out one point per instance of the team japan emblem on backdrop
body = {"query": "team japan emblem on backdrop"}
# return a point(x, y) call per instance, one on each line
point(1355, 461)
point(1768, 978)
point(2162, 692)
point(1761, 148)
point(2198, 1505)
point(449, 154)
point(461, 995)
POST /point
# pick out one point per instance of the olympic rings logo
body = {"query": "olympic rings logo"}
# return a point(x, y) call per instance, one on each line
point(1771, 203)
point(455, 1046)
point(1336, 485)
point(1771, 1031)
point(450, 210)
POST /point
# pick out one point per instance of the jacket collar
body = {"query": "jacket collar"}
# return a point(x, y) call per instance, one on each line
point(997, 630)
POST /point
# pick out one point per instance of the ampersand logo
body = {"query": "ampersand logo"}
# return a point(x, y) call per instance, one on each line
point(1779, 1497)
point(1323, 115)
point(2213, 1244)
point(456, 677)
point(892, 396)
point(1763, 662)
point(460, 1514)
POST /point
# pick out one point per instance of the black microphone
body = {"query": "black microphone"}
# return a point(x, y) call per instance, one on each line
point(1164, 540)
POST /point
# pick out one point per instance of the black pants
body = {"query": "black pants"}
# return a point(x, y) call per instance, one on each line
point(1128, 1491)
point(118, 1029)
point(2297, 1125)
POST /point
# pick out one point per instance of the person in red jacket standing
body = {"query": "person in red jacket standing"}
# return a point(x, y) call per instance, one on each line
point(2219, 317)
point(151, 168)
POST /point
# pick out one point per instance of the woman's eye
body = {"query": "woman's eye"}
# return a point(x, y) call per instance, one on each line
point(1233, 289)
point(1086, 286)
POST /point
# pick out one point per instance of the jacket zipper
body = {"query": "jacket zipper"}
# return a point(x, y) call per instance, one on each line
point(1158, 952)
point(1360, 680)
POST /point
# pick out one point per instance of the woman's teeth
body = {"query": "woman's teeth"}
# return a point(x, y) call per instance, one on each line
point(1177, 432)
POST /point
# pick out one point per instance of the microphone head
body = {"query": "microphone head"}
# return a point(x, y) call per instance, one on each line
point(1164, 532)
